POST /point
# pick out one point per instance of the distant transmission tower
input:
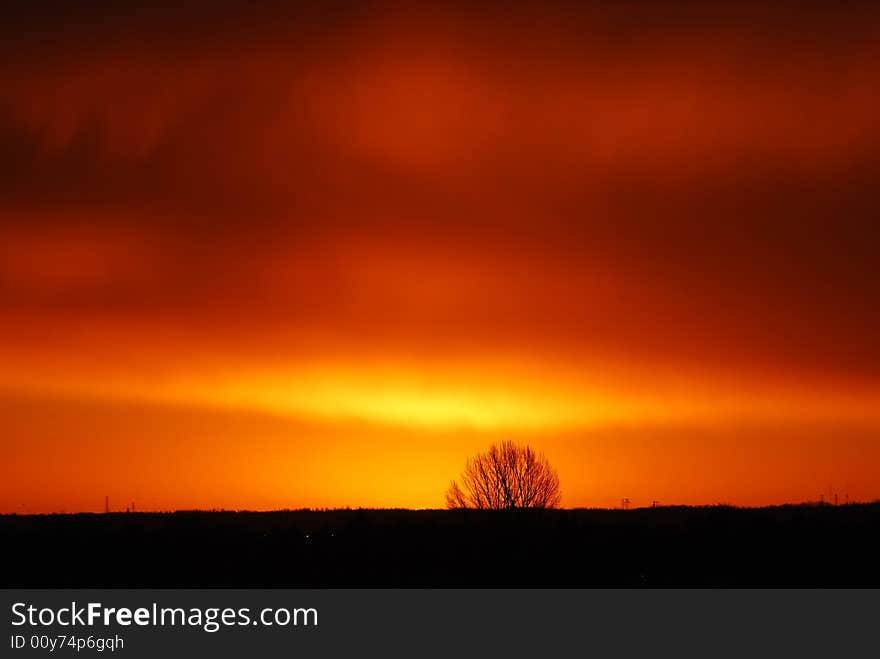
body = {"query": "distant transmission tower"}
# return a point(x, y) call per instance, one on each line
point(106, 504)
point(624, 503)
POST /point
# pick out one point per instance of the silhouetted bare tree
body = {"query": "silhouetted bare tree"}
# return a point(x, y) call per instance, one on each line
point(506, 476)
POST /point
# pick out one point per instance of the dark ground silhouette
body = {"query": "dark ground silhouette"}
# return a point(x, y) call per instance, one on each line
point(676, 546)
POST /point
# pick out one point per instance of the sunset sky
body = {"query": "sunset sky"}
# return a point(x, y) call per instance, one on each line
point(270, 255)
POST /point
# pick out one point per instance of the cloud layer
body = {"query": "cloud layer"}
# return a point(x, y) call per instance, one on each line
point(599, 214)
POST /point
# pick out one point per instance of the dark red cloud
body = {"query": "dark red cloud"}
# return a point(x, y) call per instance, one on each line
point(690, 185)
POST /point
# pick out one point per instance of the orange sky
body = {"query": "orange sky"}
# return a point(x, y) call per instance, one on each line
point(275, 256)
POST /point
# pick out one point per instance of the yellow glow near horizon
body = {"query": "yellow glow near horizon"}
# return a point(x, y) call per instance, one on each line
point(505, 407)
point(322, 435)
point(424, 405)
point(488, 401)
